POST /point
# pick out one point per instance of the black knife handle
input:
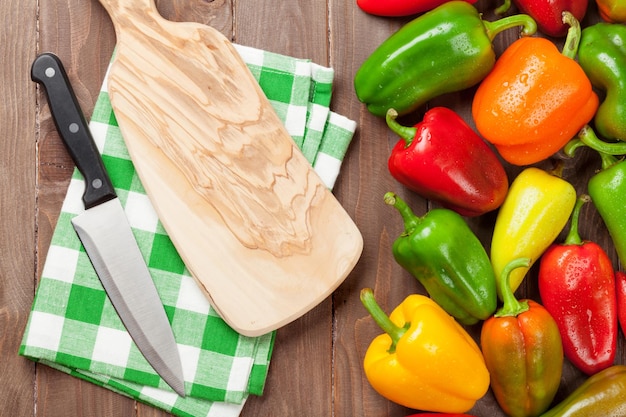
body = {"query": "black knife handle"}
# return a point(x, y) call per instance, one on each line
point(47, 70)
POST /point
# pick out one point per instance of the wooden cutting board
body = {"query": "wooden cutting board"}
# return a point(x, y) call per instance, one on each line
point(256, 227)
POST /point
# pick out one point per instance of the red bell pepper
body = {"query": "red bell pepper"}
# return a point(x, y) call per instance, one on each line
point(400, 7)
point(577, 286)
point(443, 159)
point(620, 279)
point(549, 13)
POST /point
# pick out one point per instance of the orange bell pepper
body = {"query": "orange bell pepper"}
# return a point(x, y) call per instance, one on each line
point(523, 352)
point(535, 99)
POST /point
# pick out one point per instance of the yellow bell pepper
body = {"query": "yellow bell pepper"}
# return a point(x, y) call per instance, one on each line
point(534, 212)
point(425, 360)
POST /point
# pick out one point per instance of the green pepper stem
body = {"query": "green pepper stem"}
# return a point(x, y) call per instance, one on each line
point(411, 221)
point(511, 306)
point(586, 137)
point(572, 146)
point(405, 132)
point(557, 171)
point(504, 8)
point(589, 138)
point(573, 237)
point(528, 23)
point(608, 160)
point(570, 48)
point(395, 332)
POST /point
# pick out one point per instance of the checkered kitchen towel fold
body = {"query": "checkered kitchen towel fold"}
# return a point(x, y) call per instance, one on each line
point(74, 328)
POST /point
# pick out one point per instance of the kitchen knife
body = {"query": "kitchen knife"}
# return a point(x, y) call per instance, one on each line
point(105, 233)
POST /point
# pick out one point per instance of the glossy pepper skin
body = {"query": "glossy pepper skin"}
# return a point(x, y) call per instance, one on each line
point(535, 100)
point(395, 8)
point(533, 214)
point(601, 394)
point(445, 256)
point(602, 55)
point(577, 287)
point(442, 159)
point(607, 187)
point(523, 353)
point(425, 359)
point(620, 280)
point(457, 44)
point(549, 13)
point(613, 11)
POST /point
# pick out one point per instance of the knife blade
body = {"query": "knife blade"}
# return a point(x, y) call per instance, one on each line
point(105, 233)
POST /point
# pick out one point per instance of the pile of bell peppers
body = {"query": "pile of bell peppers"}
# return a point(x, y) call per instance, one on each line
point(533, 107)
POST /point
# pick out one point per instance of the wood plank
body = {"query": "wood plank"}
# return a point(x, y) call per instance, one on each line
point(303, 27)
point(17, 201)
point(215, 13)
point(299, 381)
point(79, 34)
point(364, 180)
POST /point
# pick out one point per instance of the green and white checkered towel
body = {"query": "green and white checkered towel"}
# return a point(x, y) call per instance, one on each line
point(73, 326)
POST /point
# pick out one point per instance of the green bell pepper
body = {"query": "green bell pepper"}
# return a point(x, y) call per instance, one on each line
point(607, 188)
point(602, 55)
point(602, 394)
point(445, 50)
point(447, 258)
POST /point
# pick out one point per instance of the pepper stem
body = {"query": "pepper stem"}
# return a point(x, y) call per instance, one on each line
point(570, 48)
point(405, 132)
point(573, 237)
point(504, 8)
point(572, 146)
point(608, 160)
point(589, 138)
point(512, 307)
point(411, 221)
point(592, 141)
point(557, 171)
point(529, 26)
point(382, 319)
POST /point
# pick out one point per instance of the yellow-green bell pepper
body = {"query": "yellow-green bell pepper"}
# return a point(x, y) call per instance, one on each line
point(613, 11)
point(602, 394)
point(425, 360)
point(534, 212)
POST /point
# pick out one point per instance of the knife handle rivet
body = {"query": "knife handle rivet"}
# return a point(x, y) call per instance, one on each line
point(50, 72)
point(97, 183)
point(73, 127)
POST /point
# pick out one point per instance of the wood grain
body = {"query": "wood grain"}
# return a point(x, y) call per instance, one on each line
point(18, 119)
point(231, 188)
point(316, 367)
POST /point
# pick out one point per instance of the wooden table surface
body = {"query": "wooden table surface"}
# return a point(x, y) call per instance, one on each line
point(316, 367)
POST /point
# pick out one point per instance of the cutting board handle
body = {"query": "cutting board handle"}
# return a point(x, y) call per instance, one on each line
point(129, 11)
